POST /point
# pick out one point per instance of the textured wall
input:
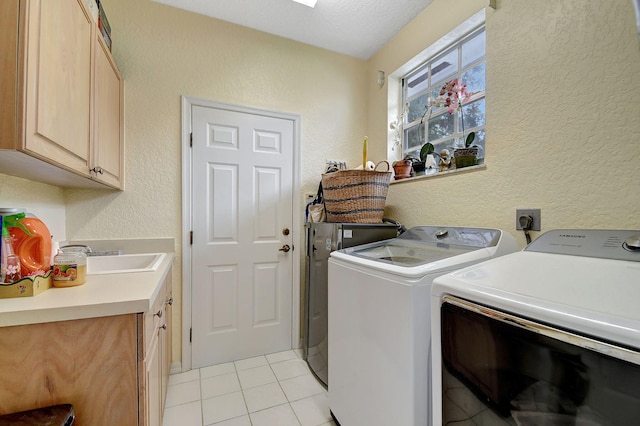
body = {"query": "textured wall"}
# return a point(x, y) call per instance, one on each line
point(563, 119)
point(164, 53)
point(44, 201)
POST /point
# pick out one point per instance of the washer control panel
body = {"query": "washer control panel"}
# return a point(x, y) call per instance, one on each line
point(599, 243)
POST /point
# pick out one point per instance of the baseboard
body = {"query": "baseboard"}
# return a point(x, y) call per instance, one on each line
point(176, 367)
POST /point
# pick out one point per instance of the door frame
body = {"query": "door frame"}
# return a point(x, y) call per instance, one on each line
point(187, 104)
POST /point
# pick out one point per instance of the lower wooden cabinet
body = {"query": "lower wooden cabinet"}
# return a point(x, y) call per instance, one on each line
point(155, 357)
point(90, 363)
point(114, 370)
point(153, 400)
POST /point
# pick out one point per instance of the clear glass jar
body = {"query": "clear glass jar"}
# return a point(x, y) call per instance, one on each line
point(70, 267)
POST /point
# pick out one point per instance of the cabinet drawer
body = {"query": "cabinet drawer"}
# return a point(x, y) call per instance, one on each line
point(154, 318)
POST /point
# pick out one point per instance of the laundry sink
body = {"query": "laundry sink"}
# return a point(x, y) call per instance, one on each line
point(124, 263)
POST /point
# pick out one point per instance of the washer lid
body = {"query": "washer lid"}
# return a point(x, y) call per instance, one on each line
point(426, 244)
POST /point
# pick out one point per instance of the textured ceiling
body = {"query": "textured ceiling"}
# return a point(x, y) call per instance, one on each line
point(356, 28)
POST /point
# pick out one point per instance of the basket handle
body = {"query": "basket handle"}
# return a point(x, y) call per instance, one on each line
point(385, 162)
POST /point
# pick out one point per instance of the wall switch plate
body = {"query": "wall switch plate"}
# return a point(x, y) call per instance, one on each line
point(535, 215)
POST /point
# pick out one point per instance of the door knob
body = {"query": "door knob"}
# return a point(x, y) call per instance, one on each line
point(285, 248)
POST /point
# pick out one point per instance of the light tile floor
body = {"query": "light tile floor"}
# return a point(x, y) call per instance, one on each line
point(272, 390)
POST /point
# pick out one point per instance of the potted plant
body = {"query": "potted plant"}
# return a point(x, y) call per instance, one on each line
point(427, 157)
point(454, 94)
point(417, 168)
point(402, 169)
point(426, 161)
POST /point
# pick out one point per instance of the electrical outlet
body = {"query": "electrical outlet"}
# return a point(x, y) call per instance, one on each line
point(535, 215)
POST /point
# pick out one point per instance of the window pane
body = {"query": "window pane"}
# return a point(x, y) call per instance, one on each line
point(475, 78)
point(434, 94)
point(474, 113)
point(417, 108)
point(444, 144)
point(473, 49)
point(413, 138)
point(417, 82)
point(414, 153)
point(440, 126)
point(479, 141)
point(444, 66)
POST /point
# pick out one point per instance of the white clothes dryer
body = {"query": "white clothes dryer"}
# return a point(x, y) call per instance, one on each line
point(546, 336)
point(379, 320)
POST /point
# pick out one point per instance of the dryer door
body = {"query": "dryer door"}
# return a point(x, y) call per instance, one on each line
point(516, 371)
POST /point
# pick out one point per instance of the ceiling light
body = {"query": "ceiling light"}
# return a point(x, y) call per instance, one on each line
point(310, 3)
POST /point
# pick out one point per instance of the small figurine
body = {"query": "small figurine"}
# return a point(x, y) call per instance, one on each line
point(445, 160)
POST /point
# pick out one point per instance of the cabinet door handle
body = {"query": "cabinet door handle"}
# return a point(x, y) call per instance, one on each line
point(163, 326)
point(97, 170)
point(158, 314)
point(170, 301)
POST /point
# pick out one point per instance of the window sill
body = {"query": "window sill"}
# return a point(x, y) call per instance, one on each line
point(439, 174)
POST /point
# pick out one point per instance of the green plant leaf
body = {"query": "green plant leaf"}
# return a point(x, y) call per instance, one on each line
point(470, 138)
point(427, 149)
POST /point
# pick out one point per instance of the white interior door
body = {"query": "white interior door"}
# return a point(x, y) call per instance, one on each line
point(242, 189)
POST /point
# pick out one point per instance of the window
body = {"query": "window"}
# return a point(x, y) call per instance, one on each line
point(463, 60)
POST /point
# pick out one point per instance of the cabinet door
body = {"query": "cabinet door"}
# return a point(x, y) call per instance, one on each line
point(58, 83)
point(166, 343)
point(9, 23)
point(90, 363)
point(108, 144)
point(153, 408)
point(157, 356)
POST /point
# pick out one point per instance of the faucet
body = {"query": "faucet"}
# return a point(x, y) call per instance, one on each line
point(90, 252)
point(87, 249)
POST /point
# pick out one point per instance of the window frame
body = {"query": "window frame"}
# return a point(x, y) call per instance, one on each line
point(456, 138)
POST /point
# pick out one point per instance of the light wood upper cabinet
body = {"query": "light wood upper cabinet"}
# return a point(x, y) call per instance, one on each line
point(108, 118)
point(63, 96)
point(58, 83)
point(9, 16)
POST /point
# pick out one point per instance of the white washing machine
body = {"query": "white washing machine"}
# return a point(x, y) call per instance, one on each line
point(546, 336)
point(379, 320)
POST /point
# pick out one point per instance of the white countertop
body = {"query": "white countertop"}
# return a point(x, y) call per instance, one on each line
point(100, 296)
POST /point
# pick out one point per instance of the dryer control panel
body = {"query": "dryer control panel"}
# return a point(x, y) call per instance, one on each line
point(598, 243)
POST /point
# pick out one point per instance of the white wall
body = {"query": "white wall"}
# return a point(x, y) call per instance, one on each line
point(44, 201)
point(563, 117)
point(164, 53)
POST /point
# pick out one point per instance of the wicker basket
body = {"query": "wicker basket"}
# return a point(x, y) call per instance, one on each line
point(356, 196)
